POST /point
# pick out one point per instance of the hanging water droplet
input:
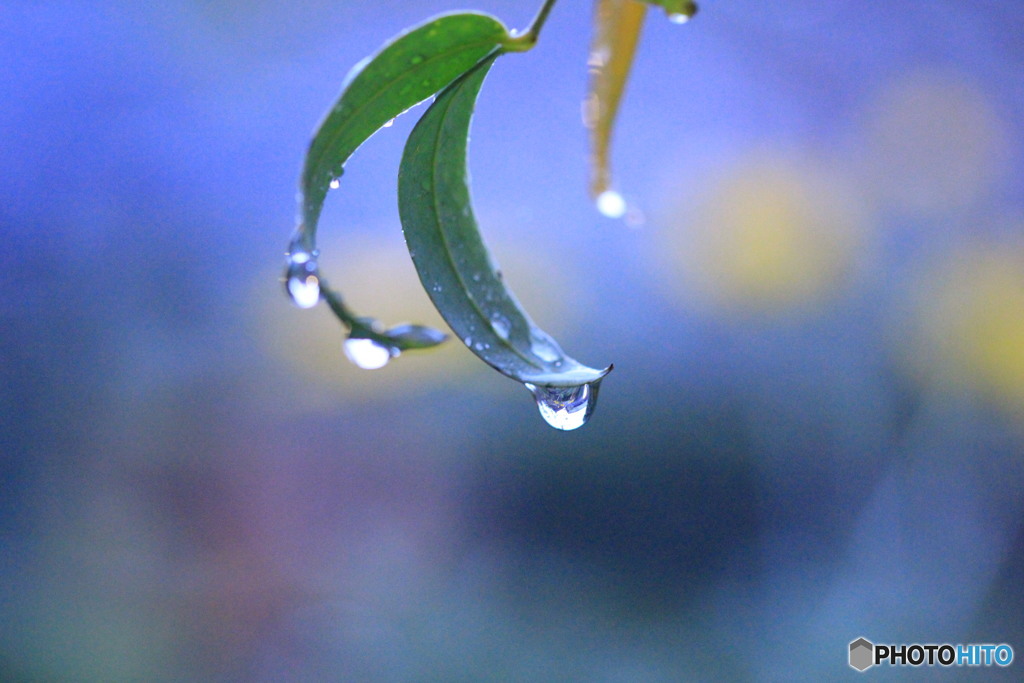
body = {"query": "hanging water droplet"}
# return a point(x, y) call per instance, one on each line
point(565, 408)
point(335, 183)
point(611, 204)
point(389, 124)
point(501, 325)
point(367, 353)
point(685, 12)
point(302, 280)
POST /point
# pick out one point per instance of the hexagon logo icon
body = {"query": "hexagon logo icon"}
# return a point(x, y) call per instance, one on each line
point(862, 654)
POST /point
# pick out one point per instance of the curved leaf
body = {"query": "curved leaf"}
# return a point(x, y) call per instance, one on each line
point(407, 70)
point(454, 265)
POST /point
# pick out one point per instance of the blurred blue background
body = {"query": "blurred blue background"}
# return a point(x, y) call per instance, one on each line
point(815, 310)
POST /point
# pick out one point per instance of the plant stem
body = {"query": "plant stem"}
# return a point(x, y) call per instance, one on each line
point(528, 38)
point(337, 307)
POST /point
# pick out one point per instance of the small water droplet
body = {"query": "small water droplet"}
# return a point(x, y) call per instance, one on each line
point(599, 57)
point(416, 59)
point(437, 288)
point(335, 184)
point(565, 408)
point(302, 280)
point(368, 354)
point(501, 325)
point(611, 204)
point(389, 124)
point(480, 346)
point(476, 277)
point(468, 341)
point(686, 11)
point(545, 349)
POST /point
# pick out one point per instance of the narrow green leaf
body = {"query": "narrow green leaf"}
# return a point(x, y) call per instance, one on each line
point(456, 268)
point(407, 70)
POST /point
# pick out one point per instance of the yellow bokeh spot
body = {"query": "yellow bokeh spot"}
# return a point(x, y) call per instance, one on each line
point(971, 323)
point(775, 232)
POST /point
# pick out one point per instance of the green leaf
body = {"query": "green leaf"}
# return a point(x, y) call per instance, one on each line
point(456, 268)
point(404, 72)
point(407, 70)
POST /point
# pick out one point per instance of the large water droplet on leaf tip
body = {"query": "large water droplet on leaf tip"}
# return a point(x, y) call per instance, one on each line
point(565, 408)
point(367, 353)
point(611, 204)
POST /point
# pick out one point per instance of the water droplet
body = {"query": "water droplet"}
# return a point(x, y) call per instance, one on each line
point(599, 57)
point(335, 184)
point(416, 59)
point(611, 204)
point(545, 349)
point(368, 354)
point(565, 408)
point(501, 325)
point(686, 11)
point(468, 341)
point(302, 280)
point(389, 124)
point(476, 277)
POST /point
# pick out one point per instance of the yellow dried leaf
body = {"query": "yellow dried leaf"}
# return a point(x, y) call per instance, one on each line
point(616, 34)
